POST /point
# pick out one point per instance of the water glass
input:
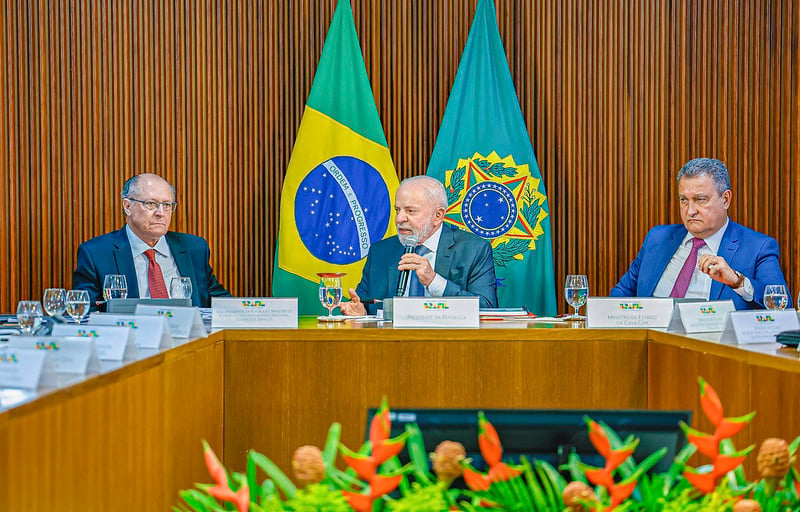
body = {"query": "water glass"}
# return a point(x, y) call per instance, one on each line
point(55, 301)
point(115, 286)
point(330, 290)
point(180, 288)
point(29, 316)
point(775, 296)
point(77, 304)
point(576, 291)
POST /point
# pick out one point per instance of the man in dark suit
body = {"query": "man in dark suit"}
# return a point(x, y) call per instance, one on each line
point(448, 262)
point(145, 251)
point(708, 256)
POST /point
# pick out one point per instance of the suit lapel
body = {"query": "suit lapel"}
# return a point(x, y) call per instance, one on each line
point(662, 255)
point(183, 261)
point(444, 254)
point(727, 249)
point(124, 261)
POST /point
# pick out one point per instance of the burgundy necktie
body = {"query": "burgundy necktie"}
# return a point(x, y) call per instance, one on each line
point(155, 279)
point(685, 275)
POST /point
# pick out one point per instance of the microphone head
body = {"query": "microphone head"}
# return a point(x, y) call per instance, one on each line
point(411, 241)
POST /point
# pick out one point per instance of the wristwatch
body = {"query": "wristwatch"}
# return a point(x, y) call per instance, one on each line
point(740, 281)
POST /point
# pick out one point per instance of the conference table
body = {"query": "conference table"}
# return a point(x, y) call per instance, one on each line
point(129, 438)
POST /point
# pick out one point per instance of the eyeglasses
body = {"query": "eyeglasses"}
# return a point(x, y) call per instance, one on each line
point(153, 205)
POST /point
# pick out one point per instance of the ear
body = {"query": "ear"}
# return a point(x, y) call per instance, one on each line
point(439, 214)
point(126, 207)
point(726, 198)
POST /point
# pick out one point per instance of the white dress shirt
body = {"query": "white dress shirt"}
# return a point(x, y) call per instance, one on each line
point(163, 257)
point(700, 285)
point(439, 283)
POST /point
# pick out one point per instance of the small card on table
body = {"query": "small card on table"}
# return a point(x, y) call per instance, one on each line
point(26, 368)
point(758, 326)
point(253, 313)
point(68, 354)
point(113, 342)
point(436, 312)
point(149, 332)
point(624, 312)
point(706, 316)
point(184, 322)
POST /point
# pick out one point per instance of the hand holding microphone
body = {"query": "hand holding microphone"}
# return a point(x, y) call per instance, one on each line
point(409, 244)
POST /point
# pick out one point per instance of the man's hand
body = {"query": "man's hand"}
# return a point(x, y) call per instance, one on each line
point(418, 264)
point(355, 307)
point(718, 269)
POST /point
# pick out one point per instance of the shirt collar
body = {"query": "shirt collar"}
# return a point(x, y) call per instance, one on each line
point(138, 246)
point(712, 242)
point(432, 243)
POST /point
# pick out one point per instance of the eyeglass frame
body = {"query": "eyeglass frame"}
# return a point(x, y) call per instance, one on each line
point(169, 206)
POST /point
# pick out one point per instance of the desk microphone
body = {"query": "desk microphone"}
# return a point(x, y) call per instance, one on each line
point(410, 243)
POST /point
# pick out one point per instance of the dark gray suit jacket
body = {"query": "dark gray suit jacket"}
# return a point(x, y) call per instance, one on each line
point(111, 254)
point(462, 258)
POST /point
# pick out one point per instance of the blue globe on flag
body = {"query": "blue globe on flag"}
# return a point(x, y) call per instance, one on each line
point(340, 208)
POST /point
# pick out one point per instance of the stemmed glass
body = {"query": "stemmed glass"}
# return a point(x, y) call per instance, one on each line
point(180, 288)
point(330, 291)
point(30, 316)
point(54, 301)
point(115, 286)
point(576, 291)
point(775, 296)
point(77, 304)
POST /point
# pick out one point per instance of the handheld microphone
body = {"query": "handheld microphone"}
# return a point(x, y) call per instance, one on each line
point(410, 243)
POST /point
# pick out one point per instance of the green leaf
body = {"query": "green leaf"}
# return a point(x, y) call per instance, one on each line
point(332, 445)
point(274, 473)
point(416, 452)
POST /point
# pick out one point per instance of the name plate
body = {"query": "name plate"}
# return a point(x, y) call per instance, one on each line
point(112, 342)
point(624, 312)
point(708, 316)
point(184, 322)
point(253, 312)
point(436, 312)
point(68, 354)
point(149, 332)
point(758, 326)
point(26, 368)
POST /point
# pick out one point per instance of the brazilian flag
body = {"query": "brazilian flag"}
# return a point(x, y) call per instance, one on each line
point(485, 159)
point(338, 193)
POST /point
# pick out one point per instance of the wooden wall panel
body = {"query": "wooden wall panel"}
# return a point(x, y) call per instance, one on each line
point(616, 96)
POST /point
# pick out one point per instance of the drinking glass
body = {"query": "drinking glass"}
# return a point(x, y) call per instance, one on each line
point(576, 291)
point(77, 304)
point(330, 290)
point(30, 316)
point(115, 286)
point(54, 301)
point(775, 296)
point(180, 288)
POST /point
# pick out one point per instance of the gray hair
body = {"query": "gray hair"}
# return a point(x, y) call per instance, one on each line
point(434, 190)
point(710, 167)
point(131, 186)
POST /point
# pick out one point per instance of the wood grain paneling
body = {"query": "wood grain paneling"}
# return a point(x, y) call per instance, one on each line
point(616, 96)
point(314, 378)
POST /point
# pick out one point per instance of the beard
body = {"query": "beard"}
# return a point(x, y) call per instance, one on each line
point(421, 234)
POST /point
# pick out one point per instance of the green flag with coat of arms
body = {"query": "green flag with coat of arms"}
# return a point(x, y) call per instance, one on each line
point(484, 157)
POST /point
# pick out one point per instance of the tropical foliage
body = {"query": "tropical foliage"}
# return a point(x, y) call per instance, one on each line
point(375, 481)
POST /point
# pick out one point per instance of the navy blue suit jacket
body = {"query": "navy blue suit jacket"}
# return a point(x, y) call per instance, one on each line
point(753, 254)
point(111, 254)
point(464, 259)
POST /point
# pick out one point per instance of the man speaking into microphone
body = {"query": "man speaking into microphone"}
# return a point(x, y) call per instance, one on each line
point(426, 258)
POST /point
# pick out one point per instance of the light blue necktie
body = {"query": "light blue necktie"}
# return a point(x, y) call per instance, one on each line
point(415, 288)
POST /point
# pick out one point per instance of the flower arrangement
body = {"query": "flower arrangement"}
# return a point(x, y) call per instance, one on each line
point(375, 481)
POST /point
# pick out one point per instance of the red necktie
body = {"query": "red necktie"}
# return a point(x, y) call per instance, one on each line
point(155, 280)
point(685, 275)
